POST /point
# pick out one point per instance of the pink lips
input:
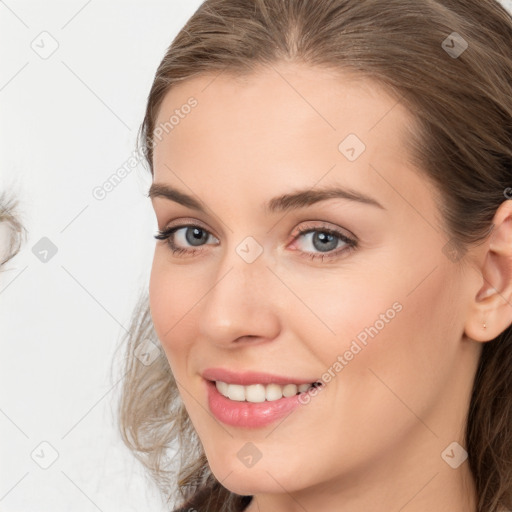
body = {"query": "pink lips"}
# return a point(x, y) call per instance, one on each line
point(247, 378)
point(248, 414)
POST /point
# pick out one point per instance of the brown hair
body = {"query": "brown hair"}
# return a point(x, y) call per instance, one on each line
point(463, 142)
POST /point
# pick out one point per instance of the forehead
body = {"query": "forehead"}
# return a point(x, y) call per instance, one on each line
point(281, 123)
point(293, 89)
point(284, 103)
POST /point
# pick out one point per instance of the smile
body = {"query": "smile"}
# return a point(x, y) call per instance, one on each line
point(257, 393)
point(249, 407)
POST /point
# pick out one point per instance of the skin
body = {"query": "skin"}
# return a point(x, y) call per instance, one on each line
point(372, 439)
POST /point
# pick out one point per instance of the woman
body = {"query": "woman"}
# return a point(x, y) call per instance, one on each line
point(332, 281)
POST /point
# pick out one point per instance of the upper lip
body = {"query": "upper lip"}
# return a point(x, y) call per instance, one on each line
point(250, 377)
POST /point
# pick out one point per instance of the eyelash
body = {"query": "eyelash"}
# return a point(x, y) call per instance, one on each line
point(167, 234)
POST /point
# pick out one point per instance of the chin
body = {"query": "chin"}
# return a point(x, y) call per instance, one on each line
point(260, 478)
point(248, 482)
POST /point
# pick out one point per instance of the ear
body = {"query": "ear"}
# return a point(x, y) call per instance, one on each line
point(492, 305)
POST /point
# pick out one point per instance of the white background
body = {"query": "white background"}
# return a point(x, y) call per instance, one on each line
point(68, 122)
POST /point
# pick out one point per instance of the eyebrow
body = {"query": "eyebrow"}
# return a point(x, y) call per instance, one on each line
point(282, 203)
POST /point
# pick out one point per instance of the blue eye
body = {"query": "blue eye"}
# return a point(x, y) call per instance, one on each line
point(325, 240)
point(193, 235)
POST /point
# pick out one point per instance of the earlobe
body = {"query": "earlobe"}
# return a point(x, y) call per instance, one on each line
point(491, 310)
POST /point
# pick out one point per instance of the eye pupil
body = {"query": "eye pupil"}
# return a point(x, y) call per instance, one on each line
point(325, 239)
point(198, 235)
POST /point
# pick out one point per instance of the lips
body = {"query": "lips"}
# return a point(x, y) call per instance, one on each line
point(250, 377)
point(238, 412)
point(247, 414)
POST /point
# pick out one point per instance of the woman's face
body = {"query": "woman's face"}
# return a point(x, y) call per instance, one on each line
point(379, 321)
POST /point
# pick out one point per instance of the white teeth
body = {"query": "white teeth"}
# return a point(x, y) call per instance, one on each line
point(273, 392)
point(291, 389)
point(222, 387)
point(255, 393)
point(258, 392)
point(236, 392)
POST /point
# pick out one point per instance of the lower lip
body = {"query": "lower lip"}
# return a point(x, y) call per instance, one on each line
point(249, 414)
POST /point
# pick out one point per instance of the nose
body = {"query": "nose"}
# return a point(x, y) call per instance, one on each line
point(242, 304)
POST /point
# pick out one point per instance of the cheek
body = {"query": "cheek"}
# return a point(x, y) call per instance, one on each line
point(398, 375)
point(171, 300)
point(399, 304)
point(393, 332)
point(341, 312)
point(405, 364)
